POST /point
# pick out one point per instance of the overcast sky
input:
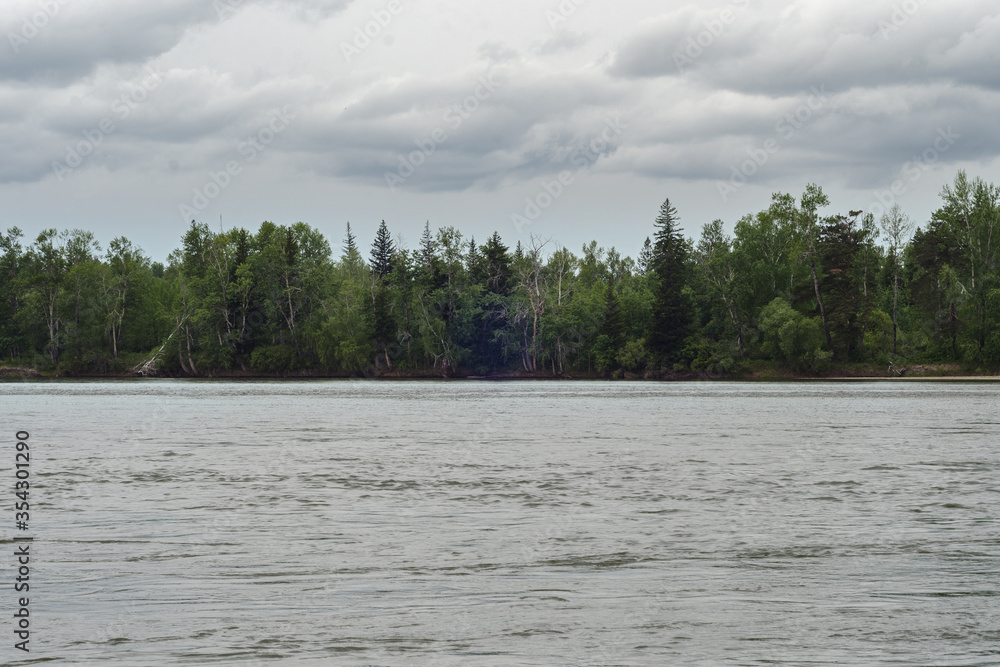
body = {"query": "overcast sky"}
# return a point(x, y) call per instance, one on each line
point(569, 120)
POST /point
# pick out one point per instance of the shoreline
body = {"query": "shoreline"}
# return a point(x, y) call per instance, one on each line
point(923, 374)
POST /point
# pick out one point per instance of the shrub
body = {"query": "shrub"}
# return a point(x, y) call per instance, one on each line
point(273, 358)
point(790, 336)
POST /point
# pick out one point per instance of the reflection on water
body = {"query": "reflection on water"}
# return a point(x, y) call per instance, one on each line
point(521, 523)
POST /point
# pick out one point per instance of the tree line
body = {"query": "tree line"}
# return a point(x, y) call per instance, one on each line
point(793, 286)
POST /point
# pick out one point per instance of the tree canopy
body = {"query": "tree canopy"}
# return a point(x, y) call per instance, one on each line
point(796, 285)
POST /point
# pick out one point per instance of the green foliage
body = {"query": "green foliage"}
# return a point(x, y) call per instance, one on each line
point(672, 308)
point(878, 335)
point(605, 354)
point(790, 336)
point(704, 355)
point(789, 285)
point(382, 252)
point(273, 358)
point(634, 356)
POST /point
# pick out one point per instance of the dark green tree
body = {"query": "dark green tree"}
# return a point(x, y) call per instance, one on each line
point(12, 270)
point(672, 309)
point(382, 262)
point(841, 243)
point(350, 245)
point(382, 252)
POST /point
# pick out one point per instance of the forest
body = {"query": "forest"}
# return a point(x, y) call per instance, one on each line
point(796, 287)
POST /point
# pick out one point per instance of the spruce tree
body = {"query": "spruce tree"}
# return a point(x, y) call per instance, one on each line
point(383, 326)
point(427, 246)
point(350, 247)
point(645, 259)
point(497, 268)
point(382, 250)
point(472, 257)
point(671, 317)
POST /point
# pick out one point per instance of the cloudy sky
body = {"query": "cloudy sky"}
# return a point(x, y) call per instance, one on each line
point(569, 120)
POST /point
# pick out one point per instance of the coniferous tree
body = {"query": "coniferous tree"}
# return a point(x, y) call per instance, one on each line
point(495, 276)
point(350, 246)
point(931, 258)
point(472, 259)
point(12, 271)
point(497, 265)
point(382, 250)
point(645, 259)
point(427, 249)
point(841, 243)
point(383, 327)
point(671, 321)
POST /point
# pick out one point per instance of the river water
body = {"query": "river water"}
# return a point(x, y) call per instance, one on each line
point(508, 523)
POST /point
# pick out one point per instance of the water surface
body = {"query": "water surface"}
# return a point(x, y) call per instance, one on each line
point(511, 523)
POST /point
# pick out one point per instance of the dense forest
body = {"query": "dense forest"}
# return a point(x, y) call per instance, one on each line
point(795, 287)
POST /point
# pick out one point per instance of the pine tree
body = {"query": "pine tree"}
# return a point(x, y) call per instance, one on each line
point(671, 321)
point(382, 250)
point(518, 252)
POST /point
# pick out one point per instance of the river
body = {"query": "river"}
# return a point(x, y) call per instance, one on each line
point(508, 523)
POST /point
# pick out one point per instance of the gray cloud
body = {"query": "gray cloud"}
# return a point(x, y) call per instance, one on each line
point(59, 41)
point(843, 46)
point(889, 84)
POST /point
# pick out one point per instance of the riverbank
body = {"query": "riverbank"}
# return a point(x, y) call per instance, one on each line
point(755, 371)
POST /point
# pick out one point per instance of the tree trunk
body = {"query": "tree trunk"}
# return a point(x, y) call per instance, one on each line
point(739, 332)
point(76, 326)
point(953, 322)
point(822, 310)
point(534, 344)
point(180, 358)
point(187, 333)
